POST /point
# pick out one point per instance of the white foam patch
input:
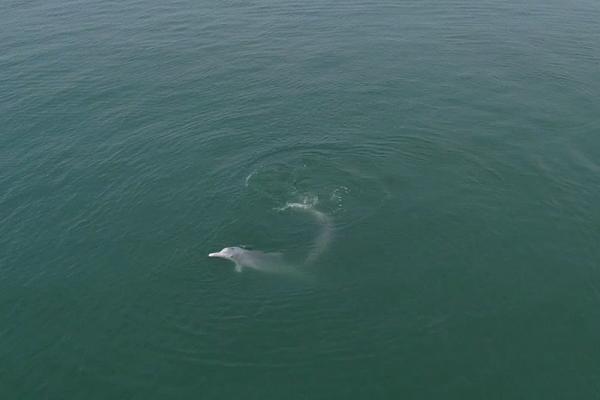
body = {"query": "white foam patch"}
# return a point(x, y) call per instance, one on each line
point(308, 202)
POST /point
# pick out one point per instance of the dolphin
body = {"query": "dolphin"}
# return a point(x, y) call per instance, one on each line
point(274, 262)
point(255, 259)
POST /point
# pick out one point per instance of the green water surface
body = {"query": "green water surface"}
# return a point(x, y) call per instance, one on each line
point(453, 145)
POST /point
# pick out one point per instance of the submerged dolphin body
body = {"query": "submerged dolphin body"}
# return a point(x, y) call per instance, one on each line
point(274, 262)
point(323, 238)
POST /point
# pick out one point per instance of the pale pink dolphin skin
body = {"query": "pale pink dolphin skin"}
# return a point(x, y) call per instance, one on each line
point(269, 262)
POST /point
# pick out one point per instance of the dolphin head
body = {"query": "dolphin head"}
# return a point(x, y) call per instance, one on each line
point(227, 253)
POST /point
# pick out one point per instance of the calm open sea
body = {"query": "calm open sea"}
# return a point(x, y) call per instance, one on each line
point(446, 155)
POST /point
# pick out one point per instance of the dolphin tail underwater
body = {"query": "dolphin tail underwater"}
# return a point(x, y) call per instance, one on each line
point(324, 236)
